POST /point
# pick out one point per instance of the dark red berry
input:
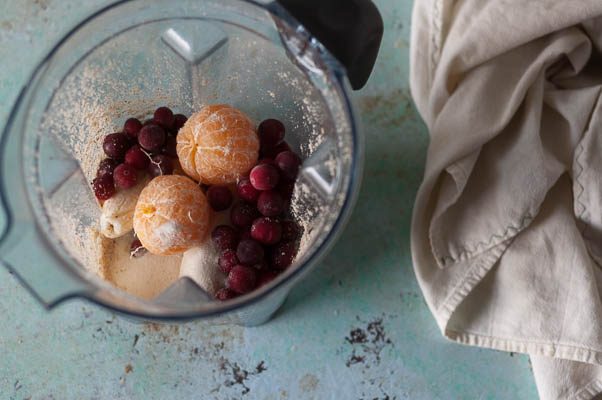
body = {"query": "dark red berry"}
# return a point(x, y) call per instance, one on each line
point(266, 277)
point(264, 177)
point(242, 279)
point(288, 163)
point(282, 255)
point(219, 197)
point(179, 121)
point(151, 137)
point(115, 145)
point(125, 176)
point(246, 234)
point(132, 126)
point(224, 237)
point(272, 152)
point(148, 122)
point(286, 190)
point(267, 161)
point(243, 215)
point(270, 132)
point(246, 191)
point(137, 158)
point(225, 294)
point(270, 203)
point(261, 265)
point(104, 187)
point(266, 230)
point(170, 146)
point(136, 249)
point(227, 260)
point(164, 117)
point(249, 252)
point(160, 164)
point(106, 167)
point(290, 231)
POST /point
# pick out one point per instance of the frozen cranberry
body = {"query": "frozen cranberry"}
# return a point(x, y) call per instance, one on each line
point(264, 177)
point(224, 237)
point(136, 248)
point(225, 294)
point(266, 277)
point(115, 145)
point(246, 191)
point(151, 137)
point(132, 126)
point(270, 203)
point(227, 259)
point(179, 121)
point(261, 265)
point(164, 117)
point(243, 215)
point(242, 279)
point(219, 197)
point(160, 164)
point(104, 187)
point(170, 146)
point(124, 176)
point(282, 255)
point(272, 152)
point(288, 163)
point(136, 158)
point(106, 167)
point(249, 252)
point(266, 230)
point(290, 231)
point(270, 132)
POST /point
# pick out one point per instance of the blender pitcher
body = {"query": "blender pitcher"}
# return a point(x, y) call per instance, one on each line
point(133, 56)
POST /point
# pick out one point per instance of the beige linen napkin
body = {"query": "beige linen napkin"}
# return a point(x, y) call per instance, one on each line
point(507, 227)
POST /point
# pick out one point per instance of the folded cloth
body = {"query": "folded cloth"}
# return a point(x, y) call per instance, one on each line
point(507, 226)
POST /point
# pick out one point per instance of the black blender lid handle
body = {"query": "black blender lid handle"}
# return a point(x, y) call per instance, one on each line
point(350, 29)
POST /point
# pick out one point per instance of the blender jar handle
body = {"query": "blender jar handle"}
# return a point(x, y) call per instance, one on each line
point(351, 30)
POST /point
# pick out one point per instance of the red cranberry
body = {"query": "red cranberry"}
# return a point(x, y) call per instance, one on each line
point(266, 277)
point(132, 126)
point(219, 197)
point(151, 137)
point(290, 231)
point(249, 252)
point(115, 145)
point(272, 152)
point(104, 187)
point(246, 191)
point(136, 158)
point(264, 177)
point(225, 294)
point(282, 255)
point(270, 132)
point(160, 164)
point(224, 237)
point(261, 265)
point(106, 167)
point(125, 176)
point(242, 279)
point(270, 203)
point(170, 147)
point(136, 248)
point(266, 230)
point(179, 121)
point(164, 117)
point(243, 215)
point(227, 260)
point(288, 163)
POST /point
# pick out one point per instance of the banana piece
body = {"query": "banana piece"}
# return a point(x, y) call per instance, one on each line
point(117, 213)
point(200, 265)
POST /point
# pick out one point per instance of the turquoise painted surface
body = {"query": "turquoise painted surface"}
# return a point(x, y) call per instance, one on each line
point(356, 329)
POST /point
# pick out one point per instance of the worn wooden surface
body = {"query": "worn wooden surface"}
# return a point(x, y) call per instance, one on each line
point(356, 329)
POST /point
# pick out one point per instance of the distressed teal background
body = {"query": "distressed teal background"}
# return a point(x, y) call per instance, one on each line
point(356, 329)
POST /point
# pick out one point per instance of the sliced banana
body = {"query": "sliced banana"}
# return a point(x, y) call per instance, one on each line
point(200, 265)
point(117, 213)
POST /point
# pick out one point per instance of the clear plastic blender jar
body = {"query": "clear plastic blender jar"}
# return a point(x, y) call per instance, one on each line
point(130, 58)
